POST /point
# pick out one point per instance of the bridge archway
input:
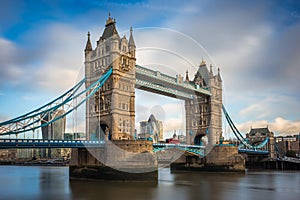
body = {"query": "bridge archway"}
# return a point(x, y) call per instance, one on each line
point(102, 132)
point(198, 140)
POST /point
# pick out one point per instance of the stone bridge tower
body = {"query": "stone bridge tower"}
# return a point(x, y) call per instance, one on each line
point(204, 113)
point(110, 113)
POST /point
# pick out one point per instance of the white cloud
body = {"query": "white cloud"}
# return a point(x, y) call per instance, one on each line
point(270, 106)
point(279, 126)
point(3, 117)
point(174, 124)
point(259, 62)
point(62, 60)
point(10, 63)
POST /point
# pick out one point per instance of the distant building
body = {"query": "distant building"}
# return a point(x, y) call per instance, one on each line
point(288, 143)
point(258, 135)
point(56, 129)
point(151, 129)
point(182, 139)
point(173, 140)
point(68, 136)
point(7, 154)
point(79, 136)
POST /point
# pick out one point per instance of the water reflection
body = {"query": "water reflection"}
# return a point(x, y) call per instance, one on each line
point(20, 182)
point(54, 183)
point(112, 190)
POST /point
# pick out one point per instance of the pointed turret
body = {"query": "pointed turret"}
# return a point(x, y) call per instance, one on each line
point(110, 29)
point(203, 62)
point(202, 75)
point(131, 43)
point(88, 47)
point(210, 71)
point(219, 75)
point(187, 79)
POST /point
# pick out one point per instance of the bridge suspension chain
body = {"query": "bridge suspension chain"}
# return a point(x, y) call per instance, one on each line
point(239, 136)
point(41, 117)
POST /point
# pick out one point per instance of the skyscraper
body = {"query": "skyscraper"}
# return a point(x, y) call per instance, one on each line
point(56, 129)
point(151, 129)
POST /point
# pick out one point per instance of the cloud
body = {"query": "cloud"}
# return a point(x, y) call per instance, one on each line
point(53, 61)
point(279, 125)
point(270, 106)
point(258, 81)
point(10, 63)
point(61, 61)
point(174, 124)
point(3, 118)
point(255, 49)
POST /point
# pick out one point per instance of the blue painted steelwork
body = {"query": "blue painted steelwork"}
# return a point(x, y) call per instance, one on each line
point(245, 145)
point(157, 81)
point(253, 151)
point(40, 143)
point(194, 149)
point(32, 120)
point(40, 110)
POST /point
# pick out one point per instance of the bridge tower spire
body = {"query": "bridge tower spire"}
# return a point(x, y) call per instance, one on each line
point(88, 46)
point(110, 114)
point(131, 43)
point(187, 79)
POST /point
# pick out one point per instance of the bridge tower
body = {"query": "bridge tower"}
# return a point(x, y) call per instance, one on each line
point(110, 113)
point(204, 113)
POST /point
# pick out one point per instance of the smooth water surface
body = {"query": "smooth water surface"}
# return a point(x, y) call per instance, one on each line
point(26, 182)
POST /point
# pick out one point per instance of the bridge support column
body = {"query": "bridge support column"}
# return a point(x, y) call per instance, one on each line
point(220, 158)
point(118, 160)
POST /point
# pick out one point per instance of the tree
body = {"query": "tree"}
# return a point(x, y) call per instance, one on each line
point(291, 153)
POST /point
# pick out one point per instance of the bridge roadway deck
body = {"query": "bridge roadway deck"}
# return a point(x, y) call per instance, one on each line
point(253, 151)
point(44, 143)
point(157, 82)
point(41, 143)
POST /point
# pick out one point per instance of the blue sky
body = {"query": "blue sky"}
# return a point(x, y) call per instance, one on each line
point(255, 44)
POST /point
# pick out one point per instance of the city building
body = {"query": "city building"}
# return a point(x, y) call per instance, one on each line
point(257, 135)
point(182, 139)
point(290, 143)
point(7, 154)
point(56, 129)
point(151, 129)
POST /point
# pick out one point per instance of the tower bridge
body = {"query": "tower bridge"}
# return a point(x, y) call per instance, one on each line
point(111, 78)
point(112, 110)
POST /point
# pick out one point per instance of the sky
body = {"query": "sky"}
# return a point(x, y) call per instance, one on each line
point(254, 43)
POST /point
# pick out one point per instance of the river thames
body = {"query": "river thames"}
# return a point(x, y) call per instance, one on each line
point(36, 182)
